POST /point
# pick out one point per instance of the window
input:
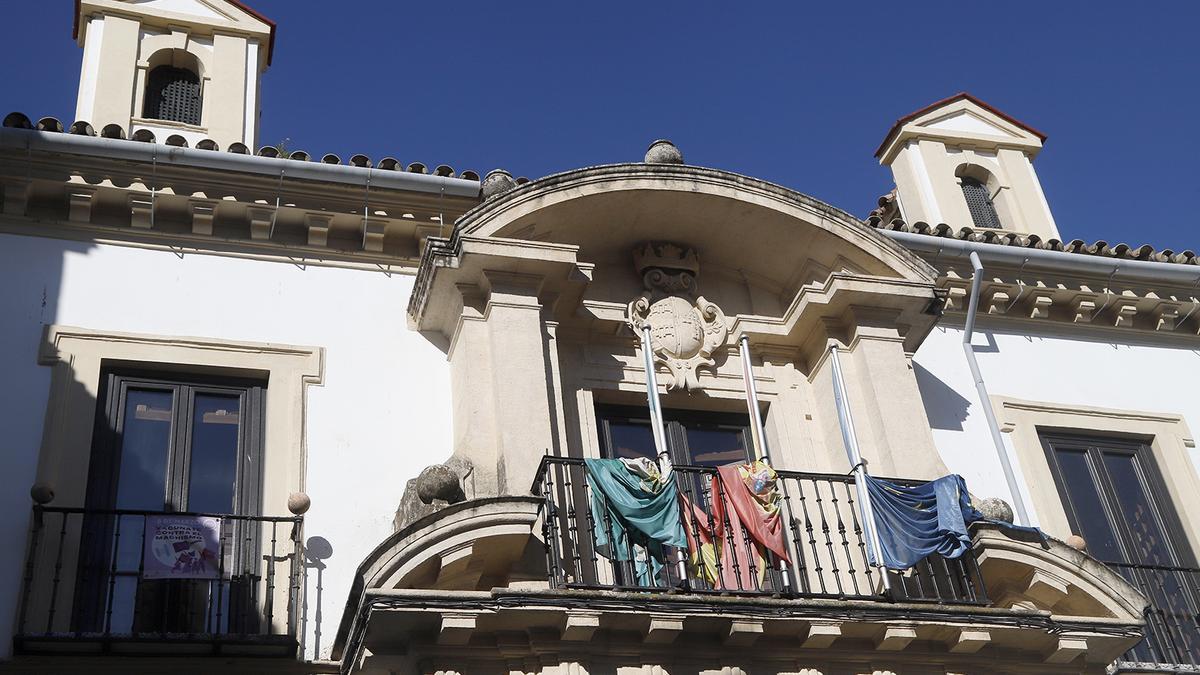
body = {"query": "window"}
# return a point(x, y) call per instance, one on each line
point(172, 94)
point(693, 438)
point(1115, 499)
point(168, 444)
point(979, 202)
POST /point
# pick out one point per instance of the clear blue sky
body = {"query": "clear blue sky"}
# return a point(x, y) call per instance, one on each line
point(796, 93)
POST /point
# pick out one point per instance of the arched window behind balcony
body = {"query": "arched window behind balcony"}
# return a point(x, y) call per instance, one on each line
point(983, 211)
point(172, 93)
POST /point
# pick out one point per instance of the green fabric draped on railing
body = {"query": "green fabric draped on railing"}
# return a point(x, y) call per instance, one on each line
point(636, 510)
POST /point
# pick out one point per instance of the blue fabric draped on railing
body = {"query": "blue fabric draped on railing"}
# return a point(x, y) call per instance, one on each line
point(916, 521)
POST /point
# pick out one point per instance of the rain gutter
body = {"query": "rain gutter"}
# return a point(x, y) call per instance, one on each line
point(132, 151)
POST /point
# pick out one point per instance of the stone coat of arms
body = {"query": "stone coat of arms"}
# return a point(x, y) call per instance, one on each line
point(685, 329)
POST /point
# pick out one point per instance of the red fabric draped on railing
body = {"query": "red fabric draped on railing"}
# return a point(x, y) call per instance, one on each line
point(728, 547)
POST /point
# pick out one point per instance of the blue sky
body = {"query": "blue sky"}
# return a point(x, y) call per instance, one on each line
point(796, 93)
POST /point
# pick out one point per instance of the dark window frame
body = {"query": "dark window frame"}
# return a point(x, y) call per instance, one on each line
point(676, 422)
point(1095, 447)
point(106, 442)
point(104, 465)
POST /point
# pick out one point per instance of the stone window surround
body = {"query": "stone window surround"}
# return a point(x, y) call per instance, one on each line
point(1167, 435)
point(77, 355)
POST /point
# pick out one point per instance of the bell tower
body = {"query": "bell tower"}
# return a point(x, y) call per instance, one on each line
point(173, 71)
point(963, 163)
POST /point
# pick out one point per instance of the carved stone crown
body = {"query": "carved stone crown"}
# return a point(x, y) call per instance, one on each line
point(666, 256)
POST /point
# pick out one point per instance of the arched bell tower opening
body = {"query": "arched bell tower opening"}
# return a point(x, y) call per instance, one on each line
point(172, 92)
point(986, 198)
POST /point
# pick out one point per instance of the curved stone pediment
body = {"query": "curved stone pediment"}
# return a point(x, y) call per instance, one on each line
point(736, 222)
point(767, 251)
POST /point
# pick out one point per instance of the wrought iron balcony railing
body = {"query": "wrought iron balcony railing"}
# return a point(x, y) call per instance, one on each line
point(86, 587)
point(1172, 641)
point(824, 539)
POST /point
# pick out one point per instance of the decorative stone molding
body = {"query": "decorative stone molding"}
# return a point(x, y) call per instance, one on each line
point(1056, 579)
point(1016, 295)
point(456, 546)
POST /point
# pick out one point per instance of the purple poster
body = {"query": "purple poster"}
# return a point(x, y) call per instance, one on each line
point(182, 547)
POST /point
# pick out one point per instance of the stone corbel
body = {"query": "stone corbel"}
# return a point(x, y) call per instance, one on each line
point(141, 210)
point(957, 298)
point(261, 218)
point(743, 632)
point(1040, 306)
point(456, 629)
point(970, 640)
point(1124, 314)
point(821, 634)
point(998, 301)
point(203, 213)
point(80, 196)
point(1066, 648)
point(1084, 309)
point(318, 228)
point(373, 231)
point(580, 625)
point(895, 638)
point(664, 628)
point(1166, 317)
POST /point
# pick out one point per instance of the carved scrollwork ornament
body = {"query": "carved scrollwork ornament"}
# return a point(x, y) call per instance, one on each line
point(684, 332)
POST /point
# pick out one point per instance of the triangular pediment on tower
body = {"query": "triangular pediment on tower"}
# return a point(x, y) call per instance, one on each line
point(961, 120)
point(228, 15)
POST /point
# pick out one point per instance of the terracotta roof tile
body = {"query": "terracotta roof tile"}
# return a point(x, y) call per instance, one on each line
point(1101, 248)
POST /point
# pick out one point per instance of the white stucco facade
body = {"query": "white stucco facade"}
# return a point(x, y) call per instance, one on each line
point(1127, 378)
point(380, 415)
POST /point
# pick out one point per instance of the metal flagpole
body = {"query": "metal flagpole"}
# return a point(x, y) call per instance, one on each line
point(758, 431)
point(656, 419)
point(656, 422)
point(846, 422)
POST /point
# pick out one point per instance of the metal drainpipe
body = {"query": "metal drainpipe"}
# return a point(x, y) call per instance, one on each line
point(985, 401)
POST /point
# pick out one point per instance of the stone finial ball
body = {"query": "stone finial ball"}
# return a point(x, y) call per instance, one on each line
point(439, 482)
point(298, 503)
point(1077, 542)
point(497, 181)
point(663, 151)
point(41, 493)
point(994, 508)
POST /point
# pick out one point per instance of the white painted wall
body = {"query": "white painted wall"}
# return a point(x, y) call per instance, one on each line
point(381, 416)
point(1069, 370)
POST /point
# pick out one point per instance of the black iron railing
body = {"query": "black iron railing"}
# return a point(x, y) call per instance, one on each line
point(86, 581)
point(824, 540)
point(1172, 619)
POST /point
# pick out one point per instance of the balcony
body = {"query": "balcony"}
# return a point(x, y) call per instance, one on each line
point(1172, 641)
point(86, 588)
point(824, 536)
